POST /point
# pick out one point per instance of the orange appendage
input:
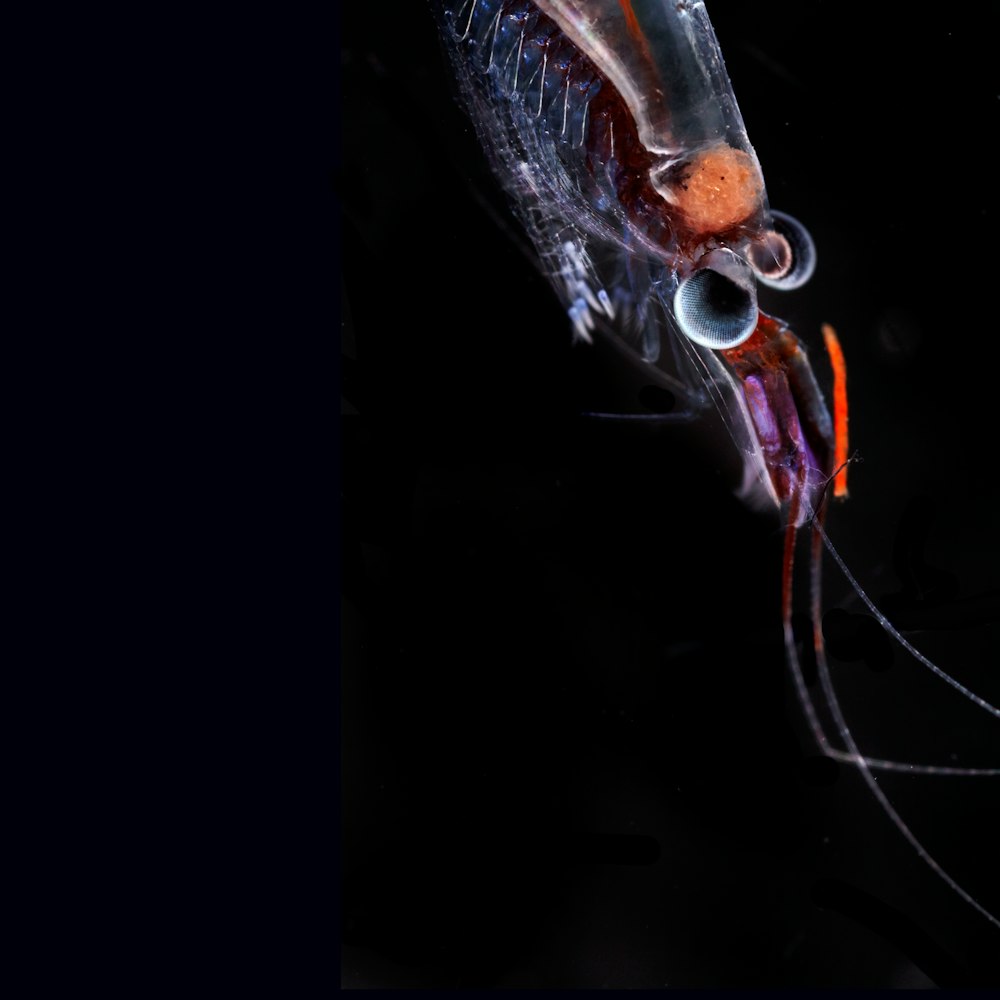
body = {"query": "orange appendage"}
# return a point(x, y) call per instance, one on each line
point(630, 19)
point(721, 187)
point(839, 408)
point(632, 23)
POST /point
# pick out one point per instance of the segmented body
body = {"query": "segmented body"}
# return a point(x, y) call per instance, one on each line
point(568, 151)
point(610, 220)
point(649, 213)
point(560, 104)
point(891, 729)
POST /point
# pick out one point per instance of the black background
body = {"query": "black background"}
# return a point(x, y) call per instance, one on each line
point(571, 753)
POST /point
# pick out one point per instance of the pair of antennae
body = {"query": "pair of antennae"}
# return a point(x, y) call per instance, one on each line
point(852, 755)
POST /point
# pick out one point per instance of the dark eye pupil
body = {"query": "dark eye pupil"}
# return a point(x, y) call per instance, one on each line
point(714, 311)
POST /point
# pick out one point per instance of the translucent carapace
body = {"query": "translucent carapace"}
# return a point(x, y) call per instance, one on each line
point(614, 129)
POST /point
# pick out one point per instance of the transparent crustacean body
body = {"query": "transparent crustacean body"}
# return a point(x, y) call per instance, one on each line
point(614, 128)
point(615, 131)
point(661, 594)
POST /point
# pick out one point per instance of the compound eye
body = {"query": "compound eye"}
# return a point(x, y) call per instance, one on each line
point(717, 305)
point(786, 257)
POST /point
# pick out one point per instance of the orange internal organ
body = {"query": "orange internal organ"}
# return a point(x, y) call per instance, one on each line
point(721, 187)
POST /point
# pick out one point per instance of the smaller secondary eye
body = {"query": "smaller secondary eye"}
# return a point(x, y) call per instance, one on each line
point(717, 305)
point(786, 257)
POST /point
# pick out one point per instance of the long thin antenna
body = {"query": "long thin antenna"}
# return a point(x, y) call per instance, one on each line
point(896, 634)
point(848, 738)
point(805, 699)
